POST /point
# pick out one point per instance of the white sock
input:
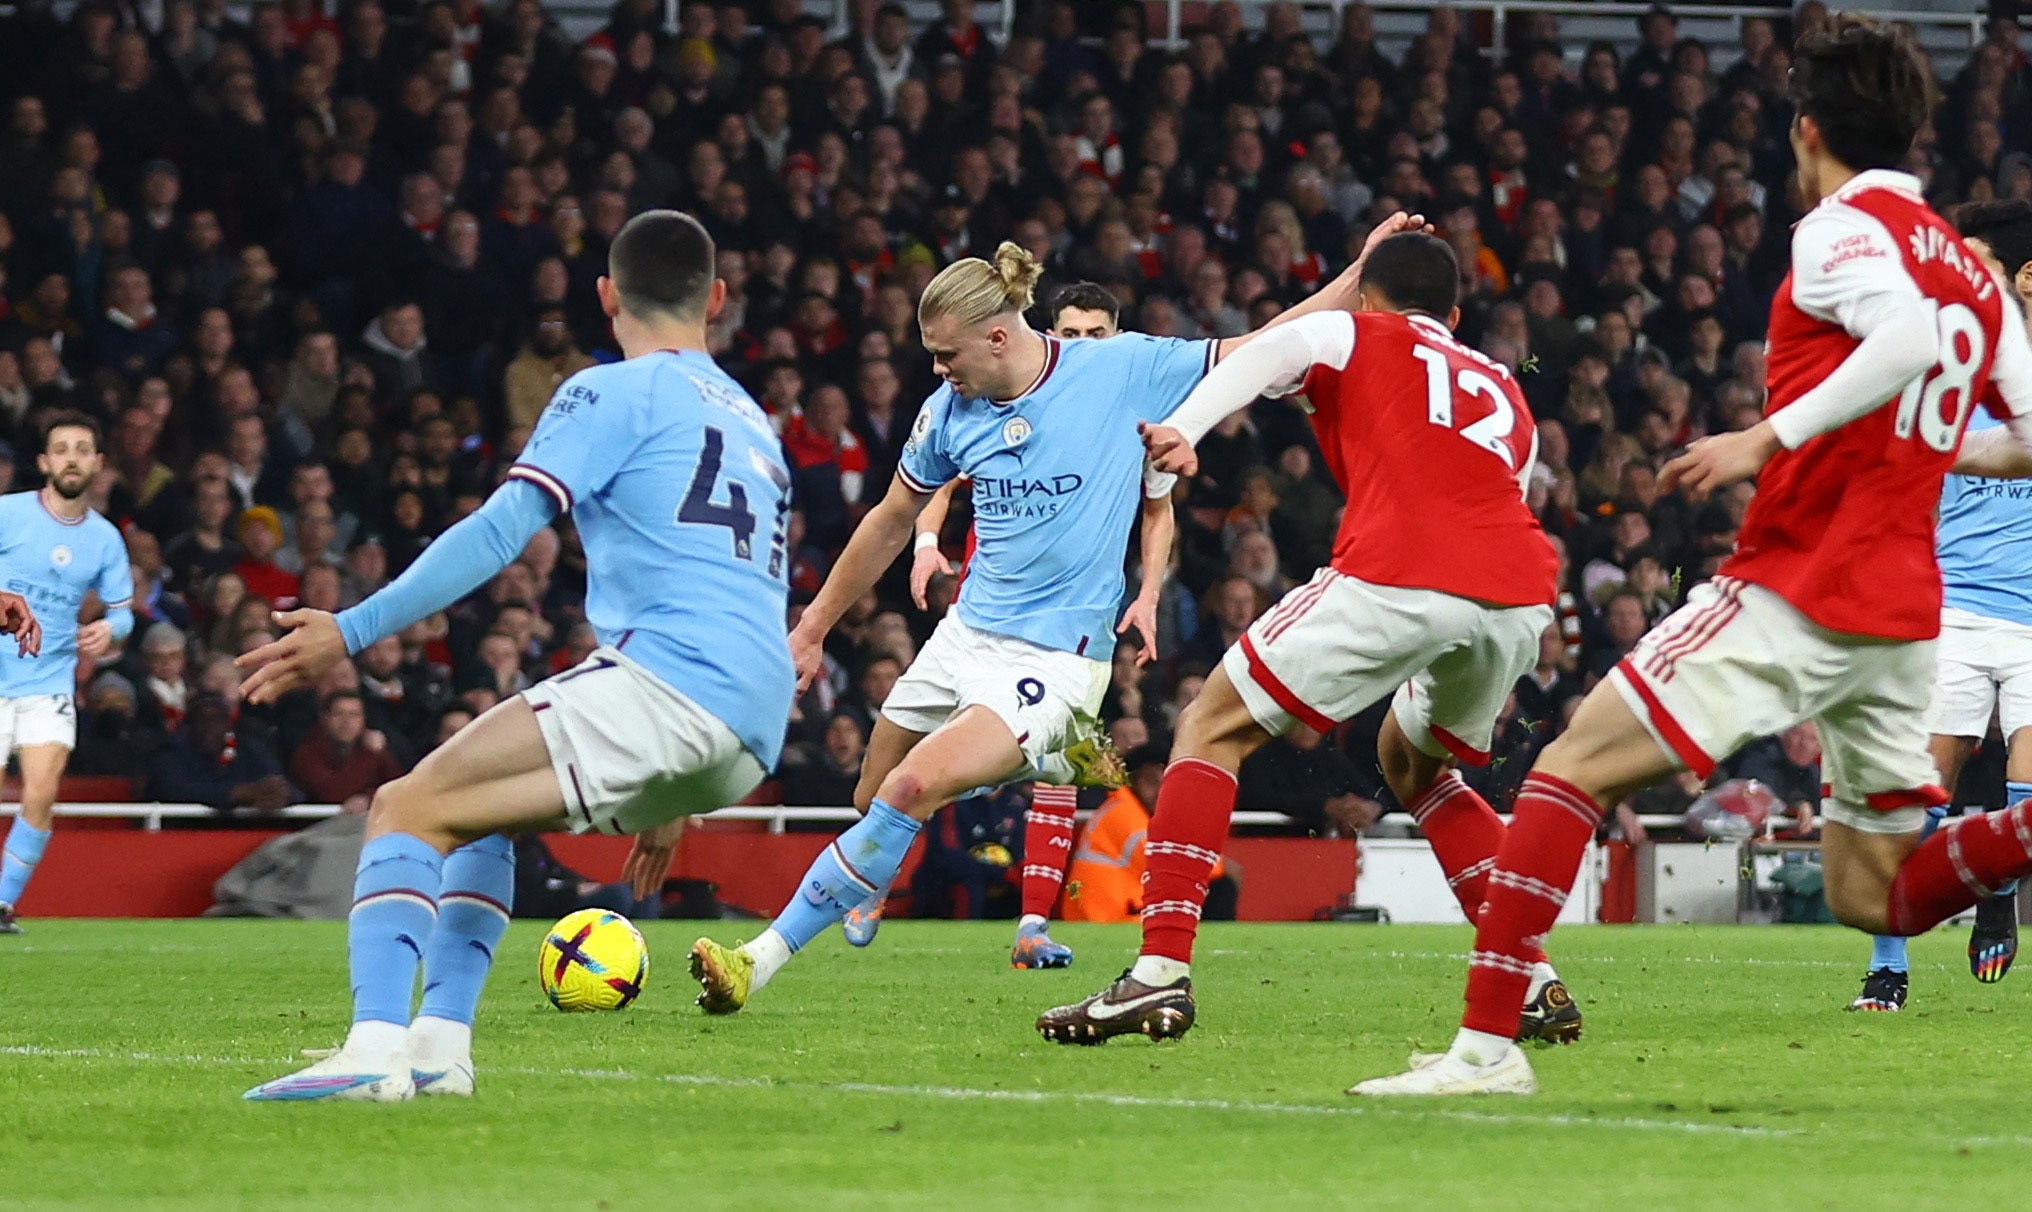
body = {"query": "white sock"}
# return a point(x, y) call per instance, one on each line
point(770, 951)
point(1157, 971)
point(439, 1041)
point(1479, 1048)
point(375, 1043)
point(1030, 921)
point(1541, 976)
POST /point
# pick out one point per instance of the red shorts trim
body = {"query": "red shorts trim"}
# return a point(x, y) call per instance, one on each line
point(1682, 744)
point(1928, 796)
point(1458, 747)
point(1279, 692)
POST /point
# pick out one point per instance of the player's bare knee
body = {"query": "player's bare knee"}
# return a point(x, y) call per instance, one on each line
point(394, 808)
point(904, 790)
point(1408, 770)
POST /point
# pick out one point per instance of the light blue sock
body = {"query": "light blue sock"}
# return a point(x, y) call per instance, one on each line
point(2015, 793)
point(394, 908)
point(1888, 950)
point(845, 874)
point(18, 858)
point(473, 902)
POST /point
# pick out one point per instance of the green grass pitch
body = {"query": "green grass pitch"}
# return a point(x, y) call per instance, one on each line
point(1719, 1071)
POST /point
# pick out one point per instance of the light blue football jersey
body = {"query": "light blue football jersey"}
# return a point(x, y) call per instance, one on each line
point(53, 563)
point(1985, 541)
point(681, 496)
point(1057, 475)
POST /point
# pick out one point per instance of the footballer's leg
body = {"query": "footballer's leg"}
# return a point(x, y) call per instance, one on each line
point(496, 774)
point(1605, 754)
point(475, 898)
point(1465, 834)
point(42, 767)
point(1446, 714)
point(1887, 981)
point(1187, 830)
point(974, 748)
point(1880, 876)
point(1959, 711)
point(1088, 759)
point(887, 746)
point(1047, 852)
point(1993, 941)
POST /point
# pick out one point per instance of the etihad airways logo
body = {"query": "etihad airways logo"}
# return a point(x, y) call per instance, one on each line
point(1024, 497)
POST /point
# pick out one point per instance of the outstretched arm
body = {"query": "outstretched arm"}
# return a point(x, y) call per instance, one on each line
point(1846, 270)
point(1276, 363)
point(2000, 454)
point(1337, 295)
point(1160, 528)
point(926, 559)
point(1906, 345)
point(872, 548)
point(462, 558)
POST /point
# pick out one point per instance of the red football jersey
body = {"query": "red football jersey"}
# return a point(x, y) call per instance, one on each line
point(1843, 527)
point(1433, 445)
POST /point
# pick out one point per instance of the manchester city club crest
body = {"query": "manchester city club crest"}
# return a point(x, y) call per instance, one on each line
point(1015, 431)
point(60, 556)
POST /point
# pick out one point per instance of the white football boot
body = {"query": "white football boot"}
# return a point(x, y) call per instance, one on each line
point(369, 1067)
point(1448, 1074)
point(441, 1057)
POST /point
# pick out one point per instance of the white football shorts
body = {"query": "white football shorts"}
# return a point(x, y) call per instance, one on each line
point(1738, 662)
point(1985, 669)
point(632, 753)
point(37, 719)
point(1337, 643)
point(1035, 690)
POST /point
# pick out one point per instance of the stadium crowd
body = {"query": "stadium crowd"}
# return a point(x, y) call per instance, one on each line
point(317, 273)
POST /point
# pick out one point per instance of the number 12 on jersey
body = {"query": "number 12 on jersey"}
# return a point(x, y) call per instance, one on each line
point(1491, 433)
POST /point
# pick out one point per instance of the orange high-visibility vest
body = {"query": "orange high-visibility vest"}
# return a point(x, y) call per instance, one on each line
point(1105, 882)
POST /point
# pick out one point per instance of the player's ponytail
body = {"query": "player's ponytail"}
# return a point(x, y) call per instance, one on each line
point(971, 290)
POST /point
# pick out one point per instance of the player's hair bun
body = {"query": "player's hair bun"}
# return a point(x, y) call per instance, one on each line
point(971, 290)
point(1018, 272)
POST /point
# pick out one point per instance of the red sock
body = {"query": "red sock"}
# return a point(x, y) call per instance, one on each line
point(1959, 865)
point(1537, 864)
point(1186, 832)
point(1047, 846)
point(1465, 834)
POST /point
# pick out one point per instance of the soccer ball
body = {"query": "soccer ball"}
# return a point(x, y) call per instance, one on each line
point(592, 960)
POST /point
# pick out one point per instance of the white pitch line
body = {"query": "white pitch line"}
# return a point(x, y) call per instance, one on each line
point(971, 1094)
point(1355, 1110)
point(1461, 958)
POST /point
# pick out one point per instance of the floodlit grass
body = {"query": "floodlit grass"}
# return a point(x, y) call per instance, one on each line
point(1719, 1070)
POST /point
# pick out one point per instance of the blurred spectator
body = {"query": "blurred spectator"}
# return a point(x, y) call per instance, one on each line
point(208, 762)
point(260, 540)
point(163, 694)
point(1105, 881)
point(342, 761)
point(830, 776)
point(319, 273)
point(1311, 782)
point(546, 360)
